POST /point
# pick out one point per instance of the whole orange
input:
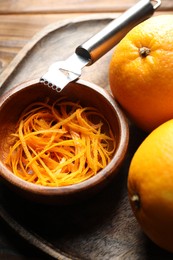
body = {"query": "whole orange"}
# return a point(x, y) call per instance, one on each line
point(150, 185)
point(141, 72)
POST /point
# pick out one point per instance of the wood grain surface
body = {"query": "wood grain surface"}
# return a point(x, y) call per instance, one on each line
point(20, 20)
point(54, 43)
point(70, 6)
point(101, 228)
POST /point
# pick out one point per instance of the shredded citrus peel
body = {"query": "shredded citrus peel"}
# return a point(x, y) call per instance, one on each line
point(60, 144)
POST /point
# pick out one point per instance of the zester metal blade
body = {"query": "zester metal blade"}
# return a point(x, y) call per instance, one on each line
point(61, 73)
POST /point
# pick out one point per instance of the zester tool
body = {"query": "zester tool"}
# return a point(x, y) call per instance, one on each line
point(61, 73)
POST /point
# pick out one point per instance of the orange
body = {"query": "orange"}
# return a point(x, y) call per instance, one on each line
point(150, 185)
point(141, 72)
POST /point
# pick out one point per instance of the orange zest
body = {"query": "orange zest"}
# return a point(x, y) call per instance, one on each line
point(60, 144)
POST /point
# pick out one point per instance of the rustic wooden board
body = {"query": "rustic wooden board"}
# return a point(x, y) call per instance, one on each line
point(57, 42)
point(99, 228)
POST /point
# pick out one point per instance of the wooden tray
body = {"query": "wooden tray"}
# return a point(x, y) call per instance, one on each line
point(100, 228)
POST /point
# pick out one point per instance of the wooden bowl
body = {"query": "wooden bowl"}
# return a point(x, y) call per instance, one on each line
point(12, 104)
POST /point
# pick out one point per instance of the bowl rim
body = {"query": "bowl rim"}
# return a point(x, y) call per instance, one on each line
point(101, 176)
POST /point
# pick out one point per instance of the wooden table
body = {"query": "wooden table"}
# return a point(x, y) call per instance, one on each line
point(20, 21)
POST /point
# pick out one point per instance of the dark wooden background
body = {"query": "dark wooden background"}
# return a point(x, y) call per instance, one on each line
point(20, 20)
